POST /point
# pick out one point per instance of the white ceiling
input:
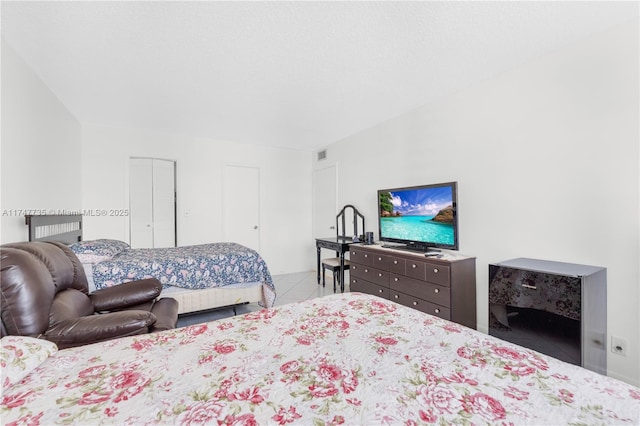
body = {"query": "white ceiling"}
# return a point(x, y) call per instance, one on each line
point(298, 75)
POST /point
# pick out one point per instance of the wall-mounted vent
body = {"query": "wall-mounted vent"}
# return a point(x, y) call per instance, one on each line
point(322, 155)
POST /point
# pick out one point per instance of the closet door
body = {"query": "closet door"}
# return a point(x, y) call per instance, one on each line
point(164, 203)
point(140, 203)
point(152, 219)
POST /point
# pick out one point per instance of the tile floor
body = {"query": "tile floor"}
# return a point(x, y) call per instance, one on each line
point(289, 288)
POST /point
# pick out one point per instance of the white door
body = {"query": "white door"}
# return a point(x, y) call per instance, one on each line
point(140, 203)
point(241, 206)
point(324, 202)
point(152, 221)
point(164, 204)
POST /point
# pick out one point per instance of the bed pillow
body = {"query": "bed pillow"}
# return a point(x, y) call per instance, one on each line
point(20, 355)
point(95, 251)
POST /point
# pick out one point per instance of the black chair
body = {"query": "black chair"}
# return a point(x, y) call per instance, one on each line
point(346, 232)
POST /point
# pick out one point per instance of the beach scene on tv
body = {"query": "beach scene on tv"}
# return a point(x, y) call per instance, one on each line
point(424, 214)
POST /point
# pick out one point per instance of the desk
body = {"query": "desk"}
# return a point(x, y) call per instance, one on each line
point(340, 245)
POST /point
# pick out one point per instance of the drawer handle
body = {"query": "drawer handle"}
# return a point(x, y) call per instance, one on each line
point(395, 262)
point(366, 255)
point(414, 266)
point(435, 270)
point(354, 267)
point(437, 311)
point(380, 290)
point(366, 270)
point(353, 281)
point(353, 253)
point(436, 290)
point(395, 279)
point(380, 259)
point(396, 296)
point(415, 303)
point(379, 274)
point(532, 287)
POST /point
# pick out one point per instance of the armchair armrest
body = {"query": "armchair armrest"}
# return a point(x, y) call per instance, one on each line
point(97, 328)
point(124, 295)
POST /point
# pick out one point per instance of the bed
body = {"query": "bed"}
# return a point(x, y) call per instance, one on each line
point(199, 277)
point(341, 359)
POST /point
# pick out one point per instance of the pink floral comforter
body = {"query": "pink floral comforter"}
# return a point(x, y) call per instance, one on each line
point(341, 359)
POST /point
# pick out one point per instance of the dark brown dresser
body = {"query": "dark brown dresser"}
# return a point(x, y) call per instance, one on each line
point(444, 287)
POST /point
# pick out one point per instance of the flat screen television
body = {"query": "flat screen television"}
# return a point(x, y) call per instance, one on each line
point(421, 218)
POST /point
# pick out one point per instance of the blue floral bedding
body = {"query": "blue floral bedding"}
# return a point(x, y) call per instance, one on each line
point(192, 267)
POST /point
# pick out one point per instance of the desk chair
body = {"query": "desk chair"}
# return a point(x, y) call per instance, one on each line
point(343, 231)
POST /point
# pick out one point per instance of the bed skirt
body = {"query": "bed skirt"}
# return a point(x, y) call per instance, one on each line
point(209, 298)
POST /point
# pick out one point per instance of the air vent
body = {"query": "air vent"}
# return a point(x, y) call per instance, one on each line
point(322, 154)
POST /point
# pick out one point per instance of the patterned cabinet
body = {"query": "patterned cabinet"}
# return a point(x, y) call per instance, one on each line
point(445, 287)
point(559, 309)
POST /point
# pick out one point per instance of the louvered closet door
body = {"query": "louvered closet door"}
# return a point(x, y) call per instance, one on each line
point(152, 218)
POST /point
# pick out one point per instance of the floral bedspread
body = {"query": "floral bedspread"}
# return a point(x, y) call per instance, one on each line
point(348, 359)
point(193, 267)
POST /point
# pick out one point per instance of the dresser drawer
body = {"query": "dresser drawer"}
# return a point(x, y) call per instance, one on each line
point(421, 305)
point(427, 291)
point(397, 265)
point(416, 269)
point(363, 257)
point(363, 286)
point(438, 273)
point(369, 273)
point(380, 261)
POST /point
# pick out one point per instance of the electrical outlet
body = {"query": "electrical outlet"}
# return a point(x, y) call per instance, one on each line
point(618, 346)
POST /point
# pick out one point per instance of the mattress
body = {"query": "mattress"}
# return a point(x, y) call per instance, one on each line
point(203, 299)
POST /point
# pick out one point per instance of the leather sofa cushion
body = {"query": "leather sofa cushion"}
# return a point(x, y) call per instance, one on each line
point(68, 304)
point(64, 268)
point(99, 327)
point(121, 296)
point(22, 274)
point(166, 310)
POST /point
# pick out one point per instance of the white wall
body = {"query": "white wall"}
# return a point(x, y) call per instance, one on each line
point(41, 149)
point(285, 223)
point(546, 158)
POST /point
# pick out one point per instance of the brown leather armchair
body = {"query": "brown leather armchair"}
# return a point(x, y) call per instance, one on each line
point(45, 294)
